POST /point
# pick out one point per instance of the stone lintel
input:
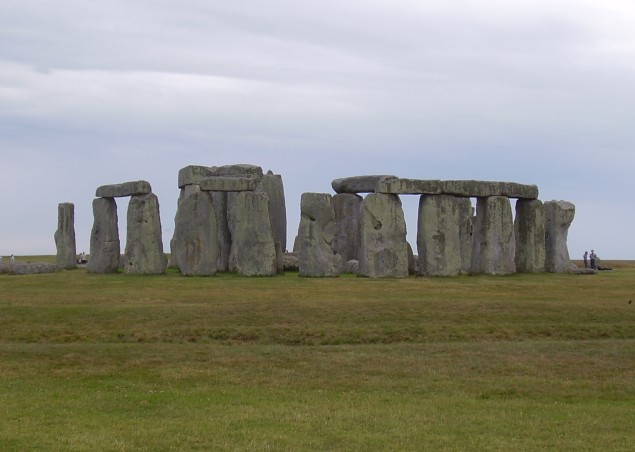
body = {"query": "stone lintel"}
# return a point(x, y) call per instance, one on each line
point(229, 184)
point(461, 188)
point(193, 175)
point(139, 187)
point(400, 186)
point(358, 184)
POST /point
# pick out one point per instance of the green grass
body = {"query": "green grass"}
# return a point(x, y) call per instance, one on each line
point(115, 362)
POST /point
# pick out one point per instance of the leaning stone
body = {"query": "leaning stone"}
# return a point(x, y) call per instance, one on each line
point(195, 244)
point(438, 236)
point(529, 232)
point(357, 184)
point(400, 186)
point(483, 189)
point(253, 252)
point(558, 217)
point(144, 243)
point(347, 209)
point(104, 237)
point(229, 183)
point(316, 234)
point(139, 187)
point(65, 236)
point(383, 250)
point(272, 185)
point(494, 246)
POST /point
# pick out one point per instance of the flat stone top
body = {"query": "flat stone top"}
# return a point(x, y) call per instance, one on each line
point(195, 174)
point(358, 184)
point(139, 187)
point(463, 188)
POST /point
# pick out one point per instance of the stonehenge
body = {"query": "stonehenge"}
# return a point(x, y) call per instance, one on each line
point(232, 218)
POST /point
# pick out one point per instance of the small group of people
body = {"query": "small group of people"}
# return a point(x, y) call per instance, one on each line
point(590, 260)
point(82, 259)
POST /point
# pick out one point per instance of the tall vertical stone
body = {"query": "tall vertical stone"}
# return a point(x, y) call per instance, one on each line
point(383, 250)
point(144, 244)
point(347, 208)
point(272, 185)
point(253, 251)
point(466, 232)
point(104, 237)
point(195, 243)
point(493, 246)
point(316, 234)
point(222, 226)
point(529, 231)
point(438, 236)
point(65, 236)
point(558, 217)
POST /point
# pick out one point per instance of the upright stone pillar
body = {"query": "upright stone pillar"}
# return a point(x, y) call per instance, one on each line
point(438, 236)
point(144, 243)
point(253, 251)
point(195, 244)
point(529, 231)
point(383, 250)
point(65, 236)
point(222, 226)
point(466, 233)
point(272, 185)
point(494, 246)
point(316, 234)
point(347, 208)
point(104, 237)
point(558, 217)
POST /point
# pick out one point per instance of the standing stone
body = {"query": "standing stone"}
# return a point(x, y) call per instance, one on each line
point(383, 250)
point(195, 244)
point(271, 184)
point(529, 230)
point(223, 234)
point(104, 237)
point(466, 232)
point(347, 208)
point(558, 218)
point(65, 236)
point(144, 245)
point(316, 234)
point(438, 236)
point(494, 246)
point(253, 251)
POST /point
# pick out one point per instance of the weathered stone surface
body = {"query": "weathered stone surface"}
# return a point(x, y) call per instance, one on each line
point(558, 217)
point(27, 268)
point(347, 208)
point(529, 231)
point(383, 250)
point(482, 189)
point(357, 184)
point(193, 175)
point(438, 236)
point(466, 229)
point(253, 251)
point(139, 187)
point(238, 170)
point(229, 183)
point(316, 234)
point(222, 227)
point(351, 266)
point(104, 237)
point(65, 236)
point(413, 264)
point(493, 240)
point(144, 243)
point(272, 185)
point(195, 244)
point(399, 186)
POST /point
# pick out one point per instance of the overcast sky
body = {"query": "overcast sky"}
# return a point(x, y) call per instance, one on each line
point(537, 92)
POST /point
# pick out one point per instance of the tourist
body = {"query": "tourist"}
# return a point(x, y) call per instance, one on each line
point(586, 259)
point(12, 258)
point(592, 257)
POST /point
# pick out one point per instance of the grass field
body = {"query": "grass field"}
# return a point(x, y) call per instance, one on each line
point(115, 362)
